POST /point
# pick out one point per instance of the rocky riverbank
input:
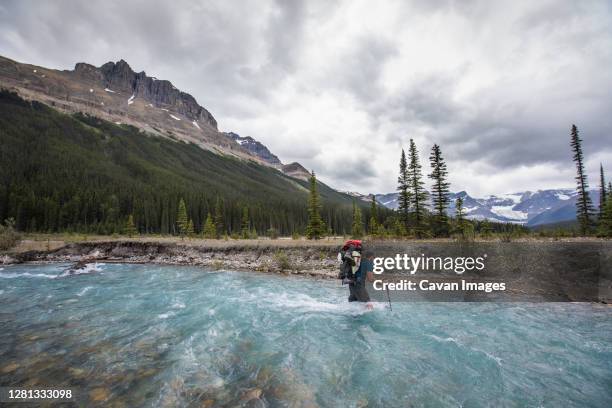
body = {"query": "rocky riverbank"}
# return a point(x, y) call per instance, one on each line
point(533, 270)
point(316, 260)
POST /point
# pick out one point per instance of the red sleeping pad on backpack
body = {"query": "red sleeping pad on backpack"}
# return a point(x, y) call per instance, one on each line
point(355, 243)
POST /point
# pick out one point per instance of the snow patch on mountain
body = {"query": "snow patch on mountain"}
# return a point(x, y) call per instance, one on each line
point(508, 212)
point(515, 198)
point(256, 148)
point(527, 207)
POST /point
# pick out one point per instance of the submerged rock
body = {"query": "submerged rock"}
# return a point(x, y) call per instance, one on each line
point(254, 393)
point(77, 268)
point(144, 373)
point(9, 368)
point(99, 394)
point(76, 372)
point(207, 403)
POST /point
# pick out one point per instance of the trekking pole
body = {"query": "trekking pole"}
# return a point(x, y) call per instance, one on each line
point(389, 299)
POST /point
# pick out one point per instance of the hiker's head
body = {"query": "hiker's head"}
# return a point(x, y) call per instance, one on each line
point(369, 255)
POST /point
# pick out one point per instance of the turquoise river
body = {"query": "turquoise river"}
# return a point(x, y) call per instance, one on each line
point(169, 336)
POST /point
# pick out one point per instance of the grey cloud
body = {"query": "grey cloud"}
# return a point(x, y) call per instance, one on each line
point(346, 168)
point(284, 32)
point(359, 69)
point(551, 67)
point(429, 100)
point(212, 49)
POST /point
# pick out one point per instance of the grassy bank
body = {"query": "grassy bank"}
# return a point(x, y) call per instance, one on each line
point(52, 242)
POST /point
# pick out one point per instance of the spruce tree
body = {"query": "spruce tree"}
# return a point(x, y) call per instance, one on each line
point(130, 228)
point(602, 191)
point(373, 225)
point(190, 228)
point(440, 191)
point(357, 227)
point(418, 195)
point(210, 231)
point(245, 224)
point(398, 229)
point(485, 228)
point(316, 227)
point(459, 211)
point(584, 206)
point(182, 220)
point(605, 222)
point(403, 198)
point(604, 228)
point(218, 220)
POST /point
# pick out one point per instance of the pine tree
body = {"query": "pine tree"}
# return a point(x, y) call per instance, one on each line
point(605, 219)
point(210, 231)
point(373, 217)
point(316, 227)
point(130, 228)
point(190, 228)
point(398, 228)
point(459, 211)
point(218, 221)
point(403, 199)
point(418, 195)
point(602, 191)
point(440, 191)
point(245, 224)
point(182, 220)
point(584, 206)
point(357, 227)
point(485, 228)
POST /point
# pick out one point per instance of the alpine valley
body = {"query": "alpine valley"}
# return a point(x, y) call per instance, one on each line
point(81, 149)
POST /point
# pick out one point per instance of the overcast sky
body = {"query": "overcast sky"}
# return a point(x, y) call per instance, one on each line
point(342, 86)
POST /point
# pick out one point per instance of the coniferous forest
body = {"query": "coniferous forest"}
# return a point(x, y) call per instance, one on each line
point(76, 173)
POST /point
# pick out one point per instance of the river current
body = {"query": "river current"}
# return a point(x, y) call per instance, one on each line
point(150, 335)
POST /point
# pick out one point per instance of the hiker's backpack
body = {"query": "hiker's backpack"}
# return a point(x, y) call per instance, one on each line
point(346, 259)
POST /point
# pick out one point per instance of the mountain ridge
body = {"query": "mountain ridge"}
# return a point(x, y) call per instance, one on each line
point(530, 208)
point(76, 172)
point(118, 94)
point(257, 148)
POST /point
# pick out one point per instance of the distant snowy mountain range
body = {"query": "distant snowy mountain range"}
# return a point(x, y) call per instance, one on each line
point(529, 208)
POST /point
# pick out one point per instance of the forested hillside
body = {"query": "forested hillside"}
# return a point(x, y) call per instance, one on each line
point(79, 173)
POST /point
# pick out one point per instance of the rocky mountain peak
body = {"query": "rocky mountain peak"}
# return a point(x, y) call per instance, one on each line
point(255, 147)
point(296, 170)
point(116, 93)
point(87, 71)
point(120, 77)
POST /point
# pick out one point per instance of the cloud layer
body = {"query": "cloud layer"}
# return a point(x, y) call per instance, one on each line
point(343, 86)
